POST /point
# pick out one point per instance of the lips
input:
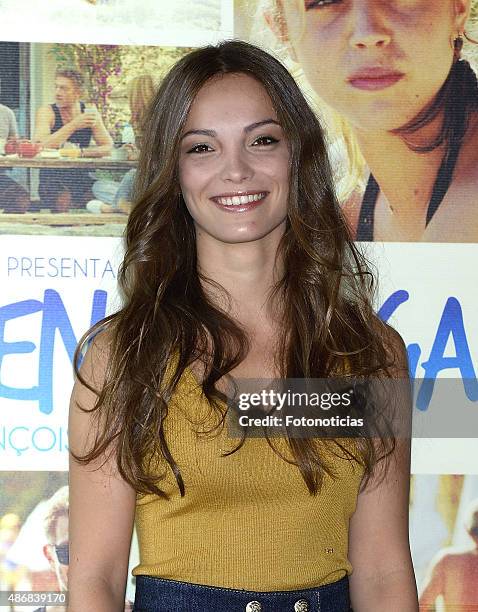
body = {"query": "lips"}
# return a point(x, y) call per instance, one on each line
point(240, 201)
point(372, 79)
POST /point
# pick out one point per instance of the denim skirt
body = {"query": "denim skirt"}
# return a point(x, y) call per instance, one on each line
point(162, 595)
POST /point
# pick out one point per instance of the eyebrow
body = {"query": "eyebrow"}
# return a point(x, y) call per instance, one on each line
point(247, 129)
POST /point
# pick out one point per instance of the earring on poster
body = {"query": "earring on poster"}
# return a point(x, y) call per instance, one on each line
point(457, 43)
point(457, 46)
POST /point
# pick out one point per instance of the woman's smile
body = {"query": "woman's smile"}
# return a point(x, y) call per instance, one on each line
point(240, 202)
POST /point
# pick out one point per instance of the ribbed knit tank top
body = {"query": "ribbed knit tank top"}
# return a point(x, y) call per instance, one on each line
point(247, 521)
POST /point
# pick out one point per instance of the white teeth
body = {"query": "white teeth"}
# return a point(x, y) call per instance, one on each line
point(243, 199)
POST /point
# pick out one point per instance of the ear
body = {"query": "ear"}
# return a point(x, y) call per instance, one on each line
point(462, 12)
point(275, 19)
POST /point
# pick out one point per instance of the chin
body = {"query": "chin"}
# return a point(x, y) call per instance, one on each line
point(241, 237)
point(375, 121)
point(241, 234)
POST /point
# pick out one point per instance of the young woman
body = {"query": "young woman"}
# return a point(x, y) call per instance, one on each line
point(238, 265)
point(116, 196)
point(393, 70)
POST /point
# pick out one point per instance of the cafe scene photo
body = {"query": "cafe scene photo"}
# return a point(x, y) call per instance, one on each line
point(70, 134)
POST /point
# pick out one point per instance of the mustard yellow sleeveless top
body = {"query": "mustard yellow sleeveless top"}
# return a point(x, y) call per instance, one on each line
point(247, 521)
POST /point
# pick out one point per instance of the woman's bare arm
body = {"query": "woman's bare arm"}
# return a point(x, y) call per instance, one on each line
point(383, 579)
point(102, 507)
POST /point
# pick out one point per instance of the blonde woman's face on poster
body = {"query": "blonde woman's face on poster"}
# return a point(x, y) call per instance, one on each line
point(377, 62)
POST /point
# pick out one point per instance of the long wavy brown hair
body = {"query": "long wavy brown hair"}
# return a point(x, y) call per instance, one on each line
point(168, 321)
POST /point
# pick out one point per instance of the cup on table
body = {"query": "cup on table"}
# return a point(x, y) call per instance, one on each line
point(90, 109)
point(70, 149)
point(11, 146)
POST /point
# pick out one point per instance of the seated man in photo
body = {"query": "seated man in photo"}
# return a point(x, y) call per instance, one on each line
point(68, 120)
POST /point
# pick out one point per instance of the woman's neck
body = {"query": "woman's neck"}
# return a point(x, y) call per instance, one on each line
point(405, 177)
point(247, 271)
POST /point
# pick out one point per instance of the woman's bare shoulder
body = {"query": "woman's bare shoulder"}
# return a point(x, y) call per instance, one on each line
point(89, 382)
point(96, 356)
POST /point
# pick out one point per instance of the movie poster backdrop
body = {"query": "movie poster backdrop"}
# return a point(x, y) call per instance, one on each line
point(64, 202)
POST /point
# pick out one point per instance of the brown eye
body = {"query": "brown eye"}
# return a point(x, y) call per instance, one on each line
point(264, 138)
point(199, 148)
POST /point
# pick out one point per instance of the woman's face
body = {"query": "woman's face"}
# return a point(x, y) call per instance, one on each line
point(234, 162)
point(377, 62)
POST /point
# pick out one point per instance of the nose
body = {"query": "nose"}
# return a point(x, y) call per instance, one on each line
point(368, 27)
point(236, 168)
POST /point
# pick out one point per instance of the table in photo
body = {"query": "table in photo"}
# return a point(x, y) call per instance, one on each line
point(75, 216)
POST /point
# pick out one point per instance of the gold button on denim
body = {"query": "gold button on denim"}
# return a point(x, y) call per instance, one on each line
point(253, 606)
point(301, 606)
